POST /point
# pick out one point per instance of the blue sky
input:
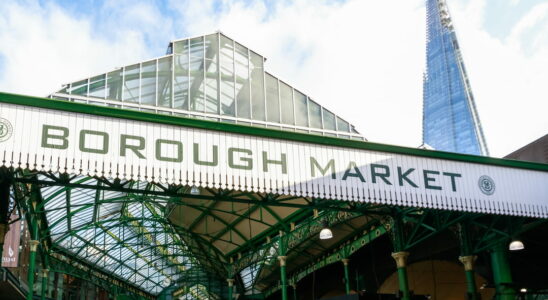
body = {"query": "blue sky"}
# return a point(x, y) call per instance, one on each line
point(363, 59)
point(502, 15)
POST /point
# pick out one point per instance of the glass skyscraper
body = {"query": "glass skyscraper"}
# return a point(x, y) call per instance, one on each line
point(450, 118)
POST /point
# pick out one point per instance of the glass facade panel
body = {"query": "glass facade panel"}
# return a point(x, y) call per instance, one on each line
point(79, 88)
point(342, 125)
point(272, 99)
point(450, 119)
point(212, 73)
point(181, 73)
point(164, 81)
point(148, 83)
point(97, 86)
point(315, 114)
point(197, 88)
point(131, 83)
point(180, 47)
point(329, 122)
point(241, 72)
point(286, 98)
point(257, 87)
point(301, 109)
point(114, 84)
point(227, 77)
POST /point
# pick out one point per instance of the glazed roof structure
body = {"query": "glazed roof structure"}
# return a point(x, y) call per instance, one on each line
point(211, 77)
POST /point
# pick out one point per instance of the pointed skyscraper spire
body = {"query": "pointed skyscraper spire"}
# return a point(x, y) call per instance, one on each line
point(450, 118)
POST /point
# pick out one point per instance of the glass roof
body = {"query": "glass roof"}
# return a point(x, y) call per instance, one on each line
point(160, 238)
point(210, 77)
point(117, 232)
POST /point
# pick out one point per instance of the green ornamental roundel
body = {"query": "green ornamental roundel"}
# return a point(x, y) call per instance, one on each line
point(486, 185)
point(5, 129)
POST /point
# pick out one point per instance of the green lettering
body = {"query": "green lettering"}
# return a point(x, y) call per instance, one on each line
point(179, 151)
point(47, 135)
point(428, 179)
point(248, 161)
point(134, 148)
point(403, 176)
point(282, 162)
point(330, 165)
point(84, 148)
point(212, 163)
point(383, 175)
point(453, 181)
point(347, 173)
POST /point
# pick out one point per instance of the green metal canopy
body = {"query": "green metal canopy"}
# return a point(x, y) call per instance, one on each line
point(152, 238)
point(110, 222)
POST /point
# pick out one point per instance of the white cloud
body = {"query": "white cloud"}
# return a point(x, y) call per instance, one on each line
point(362, 59)
point(514, 2)
point(43, 47)
point(508, 80)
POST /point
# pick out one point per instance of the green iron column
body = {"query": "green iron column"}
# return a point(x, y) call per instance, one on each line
point(230, 282)
point(471, 289)
point(43, 290)
point(401, 263)
point(52, 288)
point(294, 286)
point(283, 276)
point(32, 257)
point(468, 260)
point(400, 255)
point(502, 274)
point(345, 262)
point(60, 285)
point(4, 206)
point(32, 263)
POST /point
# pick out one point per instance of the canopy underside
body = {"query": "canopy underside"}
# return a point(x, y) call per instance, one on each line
point(154, 236)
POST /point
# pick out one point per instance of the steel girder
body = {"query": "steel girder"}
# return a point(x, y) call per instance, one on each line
point(483, 231)
point(133, 215)
point(95, 219)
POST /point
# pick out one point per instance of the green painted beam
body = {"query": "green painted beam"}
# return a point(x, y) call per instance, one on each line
point(502, 275)
point(61, 263)
point(325, 205)
point(343, 251)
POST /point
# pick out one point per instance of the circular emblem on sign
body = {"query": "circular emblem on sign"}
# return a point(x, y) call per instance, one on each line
point(486, 185)
point(5, 129)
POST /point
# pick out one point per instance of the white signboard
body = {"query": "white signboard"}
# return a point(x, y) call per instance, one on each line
point(77, 143)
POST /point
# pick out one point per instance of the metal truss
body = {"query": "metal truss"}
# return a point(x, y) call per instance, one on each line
point(128, 233)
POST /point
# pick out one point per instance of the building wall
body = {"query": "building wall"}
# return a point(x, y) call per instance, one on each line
point(442, 280)
point(536, 151)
